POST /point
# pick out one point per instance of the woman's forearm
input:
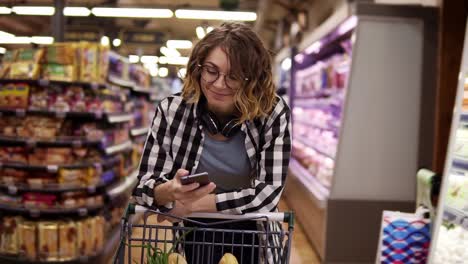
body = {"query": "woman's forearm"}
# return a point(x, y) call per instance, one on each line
point(163, 194)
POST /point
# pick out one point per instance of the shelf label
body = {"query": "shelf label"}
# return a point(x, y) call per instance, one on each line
point(31, 143)
point(60, 114)
point(34, 212)
point(43, 82)
point(77, 143)
point(91, 189)
point(20, 112)
point(12, 189)
point(94, 85)
point(52, 168)
point(82, 211)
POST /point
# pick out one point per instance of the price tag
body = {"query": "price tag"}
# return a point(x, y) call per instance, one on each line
point(20, 112)
point(60, 114)
point(82, 211)
point(98, 114)
point(12, 189)
point(91, 189)
point(94, 85)
point(44, 82)
point(52, 168)
point(31, 143)
point(34, 212)
point(77, 143)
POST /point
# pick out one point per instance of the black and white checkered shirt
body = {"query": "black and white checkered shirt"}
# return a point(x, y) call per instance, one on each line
point(176, 139)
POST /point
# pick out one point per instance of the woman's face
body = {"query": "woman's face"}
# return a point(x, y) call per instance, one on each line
point(218, 84)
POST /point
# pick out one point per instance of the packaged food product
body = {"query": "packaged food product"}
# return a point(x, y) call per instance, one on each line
point(38, 99)
point(67, 240)
point(59, 72)
point(72, 176)
point(100, 224)
point(9, 235)
point(60, 53)
point(39, 200)
point(73, 199)
point(91, 236)
point(84, 238)
point(24, 70)
point(8, 58)
point(10, 200)
point(59, 156)
point(48, 241)
point(88, 62)
point(12, 176)
point(91, 177)
point(103, 65)
point(27, 237)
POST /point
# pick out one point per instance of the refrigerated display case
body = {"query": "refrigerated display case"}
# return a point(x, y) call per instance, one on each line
point(362, 95)
point(450, 229)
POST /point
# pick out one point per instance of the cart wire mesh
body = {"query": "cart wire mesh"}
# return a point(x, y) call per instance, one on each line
point(199, 242)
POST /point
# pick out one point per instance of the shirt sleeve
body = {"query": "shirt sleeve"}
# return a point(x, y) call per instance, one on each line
point(156, 163)
point(274, 162)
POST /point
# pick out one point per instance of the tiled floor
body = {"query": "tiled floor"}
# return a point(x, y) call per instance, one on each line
point(302, 251)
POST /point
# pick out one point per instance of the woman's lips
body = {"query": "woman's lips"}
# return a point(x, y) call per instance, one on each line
point(219, 94)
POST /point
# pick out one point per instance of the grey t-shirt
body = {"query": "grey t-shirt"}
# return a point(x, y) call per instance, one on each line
point(226, 162)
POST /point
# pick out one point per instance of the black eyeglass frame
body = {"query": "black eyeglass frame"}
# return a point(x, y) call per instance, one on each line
point(219, 74)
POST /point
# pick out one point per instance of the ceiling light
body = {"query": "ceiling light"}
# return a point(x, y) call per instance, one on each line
point(154, 72)
point(15, 40)
point(182, 72)
point(169, 52)
point(2, 50)
point(5, 10)
point(149, 59)
point(42, 40)
point(200, 32)
point(34, 10)
point(4, 34)
point(132, 12)
point(216, 15)
point(133, 58)
point(174, 60)
point(209, 29)
point(179, 44)
point(76, 11)
point(116, 42)
point(105, 41)
point(163, 72)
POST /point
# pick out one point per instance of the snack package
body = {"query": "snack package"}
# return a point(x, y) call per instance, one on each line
point(48, 241)
point(27, 238)
point(88, 62)
point(39, 200)
point(60, 53)
point(81, 234)
point(8, 58)
point(38, 99)
point(27, 64)
point(59, 72)
point(72, 176)
point(103, 65)
point(9, 235)
point(73, 199)
point(100, 224)
point(12, 176)
point(67, 240)
point(41, 179)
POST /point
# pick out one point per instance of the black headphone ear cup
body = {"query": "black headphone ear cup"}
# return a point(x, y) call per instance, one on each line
point(230, 129)
point(210, 123)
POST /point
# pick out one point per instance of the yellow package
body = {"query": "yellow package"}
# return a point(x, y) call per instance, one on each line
point(60, 53)
point(24, 70)
point(103, 66)
point(59, 72)
point(88, 62)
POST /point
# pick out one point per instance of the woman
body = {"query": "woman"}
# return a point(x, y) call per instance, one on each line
point(229, 122)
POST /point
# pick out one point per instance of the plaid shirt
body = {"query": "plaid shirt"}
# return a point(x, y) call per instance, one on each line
point(176, 141)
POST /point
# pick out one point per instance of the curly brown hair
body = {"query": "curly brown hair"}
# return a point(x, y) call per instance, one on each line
point(248, 58)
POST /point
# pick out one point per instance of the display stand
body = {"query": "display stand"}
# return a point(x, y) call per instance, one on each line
point(362, 97)
point(450, 228)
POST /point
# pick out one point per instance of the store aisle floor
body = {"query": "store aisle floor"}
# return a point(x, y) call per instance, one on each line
point(302, 250)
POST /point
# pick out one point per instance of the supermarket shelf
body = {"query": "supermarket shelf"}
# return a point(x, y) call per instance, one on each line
point(456, 216)
point(135, 132)
point(323, 93)
point(118, 148)
point(106, 253)
point(307, 143)
point(119, 118)
point(45, 83)
point(77, 143)
point(140, 89)
point(14, 189)
point(37, 213)
point(110, 117)
point(54, 168)
point(124, 186)
point(121, 82)
point(319, 191)
point(312, 124)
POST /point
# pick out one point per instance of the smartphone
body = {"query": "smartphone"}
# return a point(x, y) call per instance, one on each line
point(201, 178)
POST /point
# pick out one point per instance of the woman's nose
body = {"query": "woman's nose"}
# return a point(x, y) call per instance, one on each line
point(220, 82)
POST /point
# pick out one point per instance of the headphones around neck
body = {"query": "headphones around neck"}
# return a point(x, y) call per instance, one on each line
point(212, 124)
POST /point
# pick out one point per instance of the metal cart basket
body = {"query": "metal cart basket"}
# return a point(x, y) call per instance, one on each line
point(205, 243)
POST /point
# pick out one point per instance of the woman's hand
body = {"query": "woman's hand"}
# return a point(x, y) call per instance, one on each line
point(179, 210)
point(174, 190)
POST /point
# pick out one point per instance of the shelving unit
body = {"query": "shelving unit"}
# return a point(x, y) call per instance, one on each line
point(363, 74)
point(452, 210)
point(100, 126)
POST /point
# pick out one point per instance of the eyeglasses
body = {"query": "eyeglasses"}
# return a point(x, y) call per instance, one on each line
point(210, 74)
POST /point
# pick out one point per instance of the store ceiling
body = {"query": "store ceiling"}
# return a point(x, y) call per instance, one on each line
point(171, 28)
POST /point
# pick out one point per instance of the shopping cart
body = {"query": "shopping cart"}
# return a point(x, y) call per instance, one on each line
point(140, 243)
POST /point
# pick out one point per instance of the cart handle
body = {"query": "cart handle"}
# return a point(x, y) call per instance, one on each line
point(287, 217)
